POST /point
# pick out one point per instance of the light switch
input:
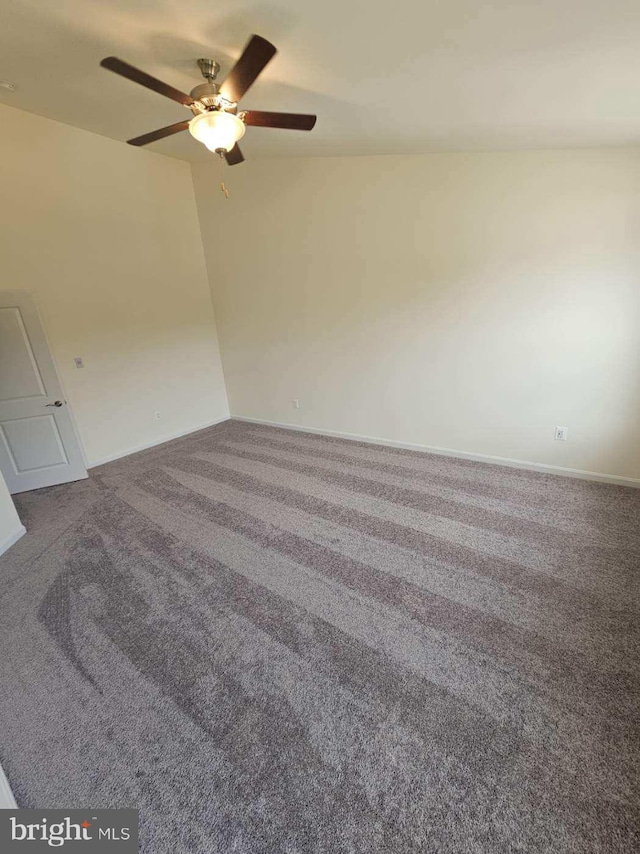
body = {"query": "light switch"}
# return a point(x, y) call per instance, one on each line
point(79, 362)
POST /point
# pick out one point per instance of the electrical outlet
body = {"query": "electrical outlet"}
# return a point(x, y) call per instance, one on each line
point(156, 416)
point(78, 362)
point(296, 403)
point(561, 434)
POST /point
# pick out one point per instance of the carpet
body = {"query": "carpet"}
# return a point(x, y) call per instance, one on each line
point(272, 642)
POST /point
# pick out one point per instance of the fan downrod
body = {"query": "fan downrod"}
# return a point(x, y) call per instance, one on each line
point(205, 94)
point(209, 69)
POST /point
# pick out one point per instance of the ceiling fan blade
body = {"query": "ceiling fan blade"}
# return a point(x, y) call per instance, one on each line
point(146, 138)
point(290, 121)
point(118, 66)
point(254, 57)
point(234, 156)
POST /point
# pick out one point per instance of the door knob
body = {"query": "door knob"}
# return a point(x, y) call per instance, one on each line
point(56, 403)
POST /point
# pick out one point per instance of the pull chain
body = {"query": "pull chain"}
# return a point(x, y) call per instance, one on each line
point(223, 188)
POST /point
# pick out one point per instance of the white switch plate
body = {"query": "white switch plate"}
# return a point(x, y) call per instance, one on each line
point(561, 434)
point(296, 403)
point(78, 362)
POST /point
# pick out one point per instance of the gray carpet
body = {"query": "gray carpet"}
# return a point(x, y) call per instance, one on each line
point(272, 642)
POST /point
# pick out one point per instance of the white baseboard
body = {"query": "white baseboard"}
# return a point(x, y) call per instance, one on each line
point(545, 468)
point(5, 545)
point(7, 801)
point(120, 454)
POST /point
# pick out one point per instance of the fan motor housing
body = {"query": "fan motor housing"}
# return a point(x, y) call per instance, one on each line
point(205, 93)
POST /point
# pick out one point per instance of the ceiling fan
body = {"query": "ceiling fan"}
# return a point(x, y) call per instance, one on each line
point(216, 121)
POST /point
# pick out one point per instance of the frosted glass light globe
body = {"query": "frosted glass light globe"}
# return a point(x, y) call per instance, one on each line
point(217, 130)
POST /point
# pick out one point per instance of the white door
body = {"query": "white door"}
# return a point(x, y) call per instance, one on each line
point(38, 442)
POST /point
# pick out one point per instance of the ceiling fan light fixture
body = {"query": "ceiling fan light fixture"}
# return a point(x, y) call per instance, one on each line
point(217, 130)
point(216, 123)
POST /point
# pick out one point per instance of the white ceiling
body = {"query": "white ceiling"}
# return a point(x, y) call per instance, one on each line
point(405, 76)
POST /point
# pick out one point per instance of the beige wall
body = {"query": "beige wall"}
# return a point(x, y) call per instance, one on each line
point(463, 301)
point(106, 236)
point(10, 524)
